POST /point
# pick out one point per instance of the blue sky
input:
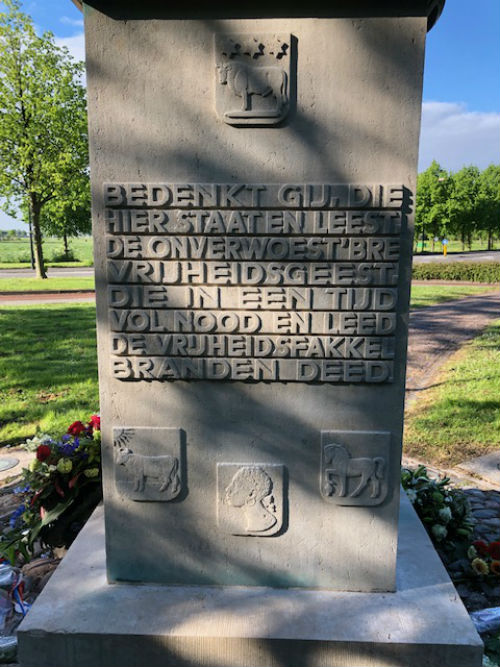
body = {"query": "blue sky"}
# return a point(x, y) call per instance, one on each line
point(461, 108)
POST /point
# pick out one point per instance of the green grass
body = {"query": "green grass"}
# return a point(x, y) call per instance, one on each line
point(430, 295)
point(52, 284)
point(456, 245)
point(16, 253)
point(48, 369)
point(458, 418)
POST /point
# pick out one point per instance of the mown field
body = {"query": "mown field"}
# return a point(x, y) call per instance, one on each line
point(17, 253)
point(48, 369)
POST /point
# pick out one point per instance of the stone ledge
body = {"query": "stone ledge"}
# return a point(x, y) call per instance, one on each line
point(80, 620)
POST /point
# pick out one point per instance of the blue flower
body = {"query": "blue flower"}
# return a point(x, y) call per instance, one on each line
point(66, 437)
point(16, 514)
point(22, 489)
point(68, 449)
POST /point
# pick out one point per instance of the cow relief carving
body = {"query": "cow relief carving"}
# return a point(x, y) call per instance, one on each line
point(354, 467)
point(253, 78)
point(147, 463)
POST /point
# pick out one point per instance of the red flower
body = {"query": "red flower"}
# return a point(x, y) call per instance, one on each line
point(76, 428)
point(43, 452)
point(95, 423)
point(494, 550)
point(481, 547)
point(495, 566)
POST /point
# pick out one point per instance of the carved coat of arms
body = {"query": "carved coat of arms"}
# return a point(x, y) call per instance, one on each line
point(354, 467)
point(147, 463)
point(250, 499)
point(253, 78)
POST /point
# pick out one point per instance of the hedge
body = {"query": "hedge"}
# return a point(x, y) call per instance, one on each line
point(478, 272)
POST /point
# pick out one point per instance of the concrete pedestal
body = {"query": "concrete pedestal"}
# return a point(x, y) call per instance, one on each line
point(82, 621)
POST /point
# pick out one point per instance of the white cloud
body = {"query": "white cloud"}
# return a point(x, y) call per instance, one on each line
point(69, 21)
point(75, 45)
point(455, 136)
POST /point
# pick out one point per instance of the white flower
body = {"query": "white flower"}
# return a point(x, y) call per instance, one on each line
point(439, 531)
point(445, 514)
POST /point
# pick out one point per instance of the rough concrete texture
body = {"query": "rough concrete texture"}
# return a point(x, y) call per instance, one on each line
point(354, 117)
point(486, 467)
point(80, 620)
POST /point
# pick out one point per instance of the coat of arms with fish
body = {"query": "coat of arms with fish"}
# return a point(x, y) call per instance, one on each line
point(253, 78)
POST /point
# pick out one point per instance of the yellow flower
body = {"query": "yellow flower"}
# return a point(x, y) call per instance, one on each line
point(480, 566)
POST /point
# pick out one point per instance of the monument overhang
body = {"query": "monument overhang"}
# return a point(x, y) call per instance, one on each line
point(339, 9)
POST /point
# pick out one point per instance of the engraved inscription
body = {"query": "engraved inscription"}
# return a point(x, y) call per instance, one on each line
point(147, 463)
point(252, 82)
point(253, 282)
point(354, 467)
point(250, 498)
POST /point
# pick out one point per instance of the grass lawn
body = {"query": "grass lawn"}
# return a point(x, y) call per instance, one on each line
point(16, 253)
point(52, 284)
point(455, 245)
point(458, 417)
point(430, 295)
point(48, 369)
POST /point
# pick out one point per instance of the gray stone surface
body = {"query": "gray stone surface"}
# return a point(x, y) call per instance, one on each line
point(163, 120)
point(487, 467)
point(80, 620)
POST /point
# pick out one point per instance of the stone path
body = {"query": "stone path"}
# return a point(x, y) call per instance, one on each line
point(438, 331)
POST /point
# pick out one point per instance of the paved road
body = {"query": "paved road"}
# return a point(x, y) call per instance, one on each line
point(479, 256)
point(50, 297)
point(52, 272)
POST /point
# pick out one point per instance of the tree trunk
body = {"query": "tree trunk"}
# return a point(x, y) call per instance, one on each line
point(65, 242)
point(37, 234)
point(463, 240)
point(489, 239)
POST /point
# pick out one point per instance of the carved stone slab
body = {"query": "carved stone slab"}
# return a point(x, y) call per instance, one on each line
point(250, 498)
point(253, 78)
point(355, 467)
point(148, 463)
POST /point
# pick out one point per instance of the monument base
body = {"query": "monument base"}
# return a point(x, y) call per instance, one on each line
point(80, 620)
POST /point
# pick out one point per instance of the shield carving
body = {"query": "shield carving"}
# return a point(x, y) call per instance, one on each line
point(253, 78)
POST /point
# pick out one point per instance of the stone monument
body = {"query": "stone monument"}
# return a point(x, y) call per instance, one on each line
point(253, 182)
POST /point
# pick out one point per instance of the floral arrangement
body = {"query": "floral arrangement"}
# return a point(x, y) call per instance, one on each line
point(484, 557)
point(58, 491)
point(444, 511)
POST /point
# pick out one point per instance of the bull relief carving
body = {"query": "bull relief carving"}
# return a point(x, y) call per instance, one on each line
point(354, 467)
point(253, 78)
point(147, 463)
point(250, 498)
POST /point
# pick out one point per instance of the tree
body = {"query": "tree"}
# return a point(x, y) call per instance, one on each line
point(463, 203)
point(431, 213)
point(43, 124)
point(69, 214)
point(488, 202)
